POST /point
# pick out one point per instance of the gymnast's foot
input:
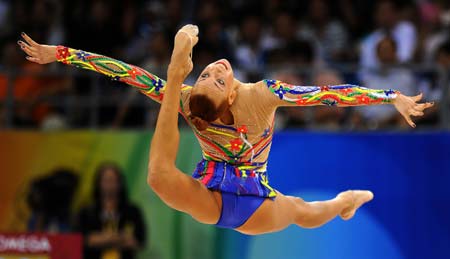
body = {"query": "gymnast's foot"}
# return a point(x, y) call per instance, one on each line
point(354, 199)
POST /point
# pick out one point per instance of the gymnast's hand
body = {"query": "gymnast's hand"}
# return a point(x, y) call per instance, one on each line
point(181, 61)
point(409, 106)
point(37, 53)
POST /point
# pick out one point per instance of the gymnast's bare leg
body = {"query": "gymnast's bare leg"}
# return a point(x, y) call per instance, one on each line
point(287, 210)
point(183, 193)
point(186, 194)
point(175, 188)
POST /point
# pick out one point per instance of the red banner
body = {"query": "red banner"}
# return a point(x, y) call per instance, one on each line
point(48, 246)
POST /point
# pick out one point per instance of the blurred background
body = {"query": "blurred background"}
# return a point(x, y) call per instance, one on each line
point(74, 144)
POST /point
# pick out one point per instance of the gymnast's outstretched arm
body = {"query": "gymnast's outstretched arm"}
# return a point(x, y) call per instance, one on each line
point(284, 94)
point(148, 83)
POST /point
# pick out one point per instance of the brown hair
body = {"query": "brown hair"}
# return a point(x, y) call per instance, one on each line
point(204, 111)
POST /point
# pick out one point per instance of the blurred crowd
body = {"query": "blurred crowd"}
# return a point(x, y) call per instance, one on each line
point(111, 225)
point(398, 44)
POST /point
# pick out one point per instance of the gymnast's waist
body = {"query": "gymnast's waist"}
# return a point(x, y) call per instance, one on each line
point(239, 178)
point(254, 166)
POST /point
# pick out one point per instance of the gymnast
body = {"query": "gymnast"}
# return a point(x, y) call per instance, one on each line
point(233, 122)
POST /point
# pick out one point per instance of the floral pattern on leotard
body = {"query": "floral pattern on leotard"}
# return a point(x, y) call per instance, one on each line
point(333, 95)
point(148, 83)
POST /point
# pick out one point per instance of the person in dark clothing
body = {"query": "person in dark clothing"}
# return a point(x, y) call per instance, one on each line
point(50, 201)
point(112, 227)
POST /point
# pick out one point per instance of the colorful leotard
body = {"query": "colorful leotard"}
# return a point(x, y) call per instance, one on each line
point(234, 156)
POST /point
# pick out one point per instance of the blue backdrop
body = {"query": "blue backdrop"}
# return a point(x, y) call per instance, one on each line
point(409, 174)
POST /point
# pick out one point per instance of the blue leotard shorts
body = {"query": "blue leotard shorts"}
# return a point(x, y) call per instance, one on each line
point(243, 187)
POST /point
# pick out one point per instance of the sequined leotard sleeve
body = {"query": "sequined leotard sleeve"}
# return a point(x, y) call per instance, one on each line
point(284, 94)
point(148, 83)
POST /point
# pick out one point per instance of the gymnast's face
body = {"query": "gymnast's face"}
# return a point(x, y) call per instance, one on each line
point(216, 82)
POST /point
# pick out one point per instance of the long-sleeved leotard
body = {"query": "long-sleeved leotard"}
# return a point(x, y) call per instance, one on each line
point(332, 95)
point(245, 145)
point(153, 86)
point(148, 83)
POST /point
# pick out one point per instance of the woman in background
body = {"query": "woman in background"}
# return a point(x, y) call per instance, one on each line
point(112, 227)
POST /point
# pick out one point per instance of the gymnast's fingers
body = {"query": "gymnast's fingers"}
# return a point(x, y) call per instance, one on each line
point(417, 97)
point(33, 59)
point(22, 43)
point(428, 105)
point(409, 120)
point(422, 106)
point(28, 39)
point(27, 49)
point(416, 113)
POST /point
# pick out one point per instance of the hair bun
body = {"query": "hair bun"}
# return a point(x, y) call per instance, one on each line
point(199, 123)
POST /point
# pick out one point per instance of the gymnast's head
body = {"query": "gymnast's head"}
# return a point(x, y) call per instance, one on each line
point(213, 94)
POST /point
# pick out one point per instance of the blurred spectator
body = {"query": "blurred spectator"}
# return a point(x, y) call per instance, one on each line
point(443, 55)
point(387, 75)
point(432, 90)
point(49, 26)
point(443, 59)
point(284, 29)
point(174, 11)
point(50, 201)
point(96, 26)
point(217, 39)
point(30, 90)
point(208, 11)
point(250, 52)
point(389, 22)
point(436, 89)
point(434, 28)
point(159, 55)
point(287, 49)
point(112, 226)
point(4, 11)
point(297, 56)
point(356, 15)
point(328, 35)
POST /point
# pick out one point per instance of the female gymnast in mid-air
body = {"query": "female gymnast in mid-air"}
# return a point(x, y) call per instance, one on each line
point(233, 122)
